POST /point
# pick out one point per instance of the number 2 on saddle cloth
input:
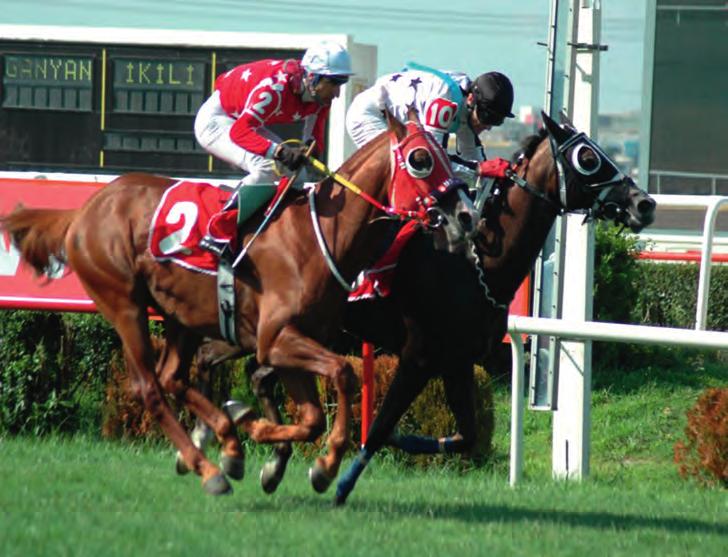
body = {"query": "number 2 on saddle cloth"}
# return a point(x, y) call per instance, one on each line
point(190, 211)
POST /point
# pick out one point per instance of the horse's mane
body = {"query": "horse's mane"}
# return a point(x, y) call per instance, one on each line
point(363, 154)
point(529, 144)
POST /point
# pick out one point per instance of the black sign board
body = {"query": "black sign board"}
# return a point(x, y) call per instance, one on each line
point(93, 108)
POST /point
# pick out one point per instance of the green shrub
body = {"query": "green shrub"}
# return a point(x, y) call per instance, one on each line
point(616, 273)
point(429, 414)
point(616, 286)
point(50, 379)
point(629, 290)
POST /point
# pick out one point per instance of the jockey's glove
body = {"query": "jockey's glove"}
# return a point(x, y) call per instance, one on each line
point(494, 168)
point(292, 158)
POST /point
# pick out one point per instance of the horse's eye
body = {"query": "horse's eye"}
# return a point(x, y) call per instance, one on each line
point(419, 163)
point(585, 160)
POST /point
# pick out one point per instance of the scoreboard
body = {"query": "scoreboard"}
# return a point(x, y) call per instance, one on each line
point(82, 107)
point(89, 107)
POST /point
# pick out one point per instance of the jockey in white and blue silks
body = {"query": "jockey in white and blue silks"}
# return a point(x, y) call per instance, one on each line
point(447, 103)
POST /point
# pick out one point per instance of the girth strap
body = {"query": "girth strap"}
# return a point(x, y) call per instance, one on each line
point(226, 300)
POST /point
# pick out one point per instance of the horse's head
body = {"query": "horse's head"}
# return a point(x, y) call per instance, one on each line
point(589, 181)
point(423, 182)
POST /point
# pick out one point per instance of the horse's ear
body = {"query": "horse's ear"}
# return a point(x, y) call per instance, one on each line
point(566, 121)
point(556, 131)
point(413, 114)
point(395, 126)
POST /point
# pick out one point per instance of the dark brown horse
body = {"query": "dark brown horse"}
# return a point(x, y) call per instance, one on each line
point(447, 311)
point(288, 302)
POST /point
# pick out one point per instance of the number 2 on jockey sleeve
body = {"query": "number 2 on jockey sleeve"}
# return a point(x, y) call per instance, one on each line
point(264, 100)
point(440, 114)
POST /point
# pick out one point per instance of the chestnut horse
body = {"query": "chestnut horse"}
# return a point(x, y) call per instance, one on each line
point(441, 322)
point(288, 303)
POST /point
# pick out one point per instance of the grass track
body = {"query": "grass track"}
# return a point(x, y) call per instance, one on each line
point(82, 496)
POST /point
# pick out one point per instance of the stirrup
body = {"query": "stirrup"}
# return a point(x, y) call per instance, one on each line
point(221, 248)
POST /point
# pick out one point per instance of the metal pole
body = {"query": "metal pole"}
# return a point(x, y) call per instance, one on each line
point(367, 389)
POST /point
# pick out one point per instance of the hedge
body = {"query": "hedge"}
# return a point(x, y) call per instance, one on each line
point(64, 372)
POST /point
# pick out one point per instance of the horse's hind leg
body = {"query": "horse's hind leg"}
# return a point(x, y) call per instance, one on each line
point(131, 323)
point(174, 377)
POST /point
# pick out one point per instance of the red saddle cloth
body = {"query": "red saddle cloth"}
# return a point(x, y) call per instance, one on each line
point(376, 282)
point(187, 211)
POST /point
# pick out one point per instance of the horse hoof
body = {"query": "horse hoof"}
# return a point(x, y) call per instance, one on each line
point(238, 411)
point(269, 477)
point(180, 467)
point(233, 466)
point(217, 485)
point(318, 478)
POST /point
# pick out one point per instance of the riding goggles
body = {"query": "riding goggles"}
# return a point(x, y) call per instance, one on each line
point(337, 79)
point(487, 116)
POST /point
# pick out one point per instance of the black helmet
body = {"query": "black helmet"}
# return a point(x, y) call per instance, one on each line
point(493, 97)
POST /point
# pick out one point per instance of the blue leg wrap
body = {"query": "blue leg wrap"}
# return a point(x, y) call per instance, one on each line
point(416, 444)
point(348, 479)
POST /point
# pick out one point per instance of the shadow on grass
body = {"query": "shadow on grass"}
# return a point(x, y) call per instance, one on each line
point(483, 513)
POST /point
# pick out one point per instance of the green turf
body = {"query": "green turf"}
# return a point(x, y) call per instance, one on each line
point(79, 496)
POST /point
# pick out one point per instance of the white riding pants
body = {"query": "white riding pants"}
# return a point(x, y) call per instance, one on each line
point(364, 119)
point(212, 130)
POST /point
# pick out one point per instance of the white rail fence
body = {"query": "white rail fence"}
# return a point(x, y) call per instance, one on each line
point(713, 204)
point(588, 331)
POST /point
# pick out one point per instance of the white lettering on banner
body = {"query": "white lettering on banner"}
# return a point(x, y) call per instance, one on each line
point(9, 258)
point(187, 212)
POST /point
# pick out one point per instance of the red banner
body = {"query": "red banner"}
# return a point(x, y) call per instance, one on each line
point(19, 287)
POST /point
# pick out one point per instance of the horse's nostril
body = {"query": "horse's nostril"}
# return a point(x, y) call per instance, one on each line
point(466, 220)
point(646, 206)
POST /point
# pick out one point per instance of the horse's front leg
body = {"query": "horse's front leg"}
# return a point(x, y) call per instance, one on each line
point(210, 355)
point(293, 352)
point(408, 382)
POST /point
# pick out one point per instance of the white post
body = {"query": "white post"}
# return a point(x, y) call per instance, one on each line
point(572, 419)
point(517, 404)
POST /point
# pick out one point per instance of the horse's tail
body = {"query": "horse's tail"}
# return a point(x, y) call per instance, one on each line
point(39, 235)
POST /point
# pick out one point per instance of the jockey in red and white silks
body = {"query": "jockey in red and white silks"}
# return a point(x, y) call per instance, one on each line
point(231, 124)
point(447, 102)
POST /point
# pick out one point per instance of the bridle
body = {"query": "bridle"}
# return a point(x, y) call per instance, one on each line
point(517, 176)
point(405, 187)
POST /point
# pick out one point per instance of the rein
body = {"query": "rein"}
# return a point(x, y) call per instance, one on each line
point(348, 184)
point(424, 200)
